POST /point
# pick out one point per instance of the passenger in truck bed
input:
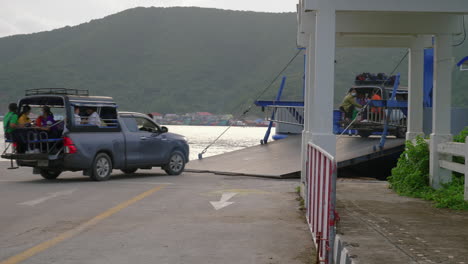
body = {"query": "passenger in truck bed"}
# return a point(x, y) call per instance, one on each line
point(349, 104)
point(10, 122)
point(77, 116)
point(47, 122)
point(93, 117)
point(24, 120)
point(46, 119)
point(20, 135)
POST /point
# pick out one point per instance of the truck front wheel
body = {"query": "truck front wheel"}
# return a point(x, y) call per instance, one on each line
point(176, 163)
point(102, 167)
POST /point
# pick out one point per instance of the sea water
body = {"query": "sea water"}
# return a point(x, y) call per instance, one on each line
point(199, 137)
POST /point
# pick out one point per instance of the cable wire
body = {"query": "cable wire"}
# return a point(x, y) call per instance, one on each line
point(200, 155)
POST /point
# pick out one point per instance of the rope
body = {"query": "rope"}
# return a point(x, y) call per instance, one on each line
point(200, 155)
point(383, 84)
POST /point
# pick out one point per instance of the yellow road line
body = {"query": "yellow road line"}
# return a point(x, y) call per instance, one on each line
point(73, 232)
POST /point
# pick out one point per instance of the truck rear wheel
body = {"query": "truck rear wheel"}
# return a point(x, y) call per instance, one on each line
point(401, 132)
point(50, 174)
point(364, 134)
point(176, 163)
point(102, 167)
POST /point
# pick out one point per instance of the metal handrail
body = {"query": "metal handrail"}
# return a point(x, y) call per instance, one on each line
point(292, 115)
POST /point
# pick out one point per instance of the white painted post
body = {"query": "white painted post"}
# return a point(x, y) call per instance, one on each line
point(308, 26)
point(466, 169)
point(305, 131)
point(441, 111)
point(322, 101)
point(415, 89)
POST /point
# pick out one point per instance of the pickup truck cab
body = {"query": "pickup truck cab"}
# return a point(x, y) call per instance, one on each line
point(90, 135)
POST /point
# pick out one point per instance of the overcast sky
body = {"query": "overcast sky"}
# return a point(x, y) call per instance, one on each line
point(28, 16)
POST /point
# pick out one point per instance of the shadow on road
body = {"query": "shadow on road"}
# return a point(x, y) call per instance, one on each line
point(75, 178)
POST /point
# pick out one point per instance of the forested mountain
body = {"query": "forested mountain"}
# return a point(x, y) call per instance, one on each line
point(176, 60)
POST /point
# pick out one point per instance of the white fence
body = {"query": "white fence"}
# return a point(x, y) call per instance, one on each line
point(378, 115)
point(320, 201)
point(459, 150)
point(293, 115)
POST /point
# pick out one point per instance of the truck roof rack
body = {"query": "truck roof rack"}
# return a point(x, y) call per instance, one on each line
point(380, 79)
point(56, 91)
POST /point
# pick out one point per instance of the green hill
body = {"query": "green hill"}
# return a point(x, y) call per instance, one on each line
point(174, 59)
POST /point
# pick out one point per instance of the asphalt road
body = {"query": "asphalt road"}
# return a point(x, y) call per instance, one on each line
point(150, 217)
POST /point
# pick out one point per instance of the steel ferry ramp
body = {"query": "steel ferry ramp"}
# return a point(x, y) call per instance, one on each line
point(282, 158)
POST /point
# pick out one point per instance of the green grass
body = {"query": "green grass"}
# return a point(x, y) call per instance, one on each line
point(411, 177)
point(300, 199)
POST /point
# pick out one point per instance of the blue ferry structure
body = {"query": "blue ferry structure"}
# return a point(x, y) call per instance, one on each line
point(389, 119)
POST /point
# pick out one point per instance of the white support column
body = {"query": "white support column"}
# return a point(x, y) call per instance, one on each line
point(441, 111)
point(415, 89)
point(322, 101)
point(308, 19)
point(305, 131)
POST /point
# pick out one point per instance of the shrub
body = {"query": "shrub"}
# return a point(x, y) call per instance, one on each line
point(461, 136)
point(450, 195)
point(411, 177)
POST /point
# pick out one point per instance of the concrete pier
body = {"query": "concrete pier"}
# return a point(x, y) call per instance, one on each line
point(378, 226)
point(282, 159)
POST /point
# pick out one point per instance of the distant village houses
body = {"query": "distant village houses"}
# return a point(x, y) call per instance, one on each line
point(204, 119)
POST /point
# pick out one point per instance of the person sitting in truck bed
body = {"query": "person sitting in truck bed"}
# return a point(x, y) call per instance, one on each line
point(47, 122)
point(93, 117)
point(24, 120)
point(20, 135)
point(348, 104)
point(10, 122)
point(377, 113)
point(46, 119)
point(77, 116)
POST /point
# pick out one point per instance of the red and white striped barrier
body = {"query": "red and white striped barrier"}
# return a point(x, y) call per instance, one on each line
point(320, 200)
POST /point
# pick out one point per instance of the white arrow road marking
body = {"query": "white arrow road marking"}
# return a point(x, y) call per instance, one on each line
point(45, 198)
point(224, 200)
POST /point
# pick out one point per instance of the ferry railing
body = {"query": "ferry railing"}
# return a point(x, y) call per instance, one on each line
point(377, 112)
point(293, 115)
point(450, 149)
point(320, 200)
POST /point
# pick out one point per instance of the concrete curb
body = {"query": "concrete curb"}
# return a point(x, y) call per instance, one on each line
point(340, 252)
point(292, 175)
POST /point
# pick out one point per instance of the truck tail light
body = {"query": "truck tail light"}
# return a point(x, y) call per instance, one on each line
point(70, 147)
point(14, 146)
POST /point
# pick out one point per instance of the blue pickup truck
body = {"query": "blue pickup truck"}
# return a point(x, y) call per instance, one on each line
point(118, 140)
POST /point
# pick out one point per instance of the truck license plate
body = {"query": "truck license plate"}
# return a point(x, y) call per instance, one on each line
point(42, 163)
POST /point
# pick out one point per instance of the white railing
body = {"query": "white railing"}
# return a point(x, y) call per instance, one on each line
point(321, 200)
point(455, 149)
point(293, 115)
point(377, 115)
